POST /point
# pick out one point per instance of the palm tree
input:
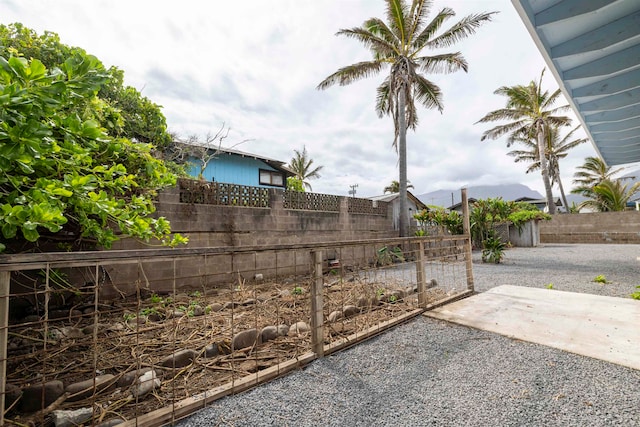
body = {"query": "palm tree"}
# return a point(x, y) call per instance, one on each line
point(394, 187)
point(611, 195)
point(301, 166)
point(556, 149)
point(398, 43)
point(592, 172)
point(531, 114)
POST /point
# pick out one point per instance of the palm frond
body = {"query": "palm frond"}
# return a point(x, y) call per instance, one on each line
point(370, 40)
point(397, 11)
point(428, 93)
point(431, 29)
point(442, 64)
point(351, 73)
point(460, 30)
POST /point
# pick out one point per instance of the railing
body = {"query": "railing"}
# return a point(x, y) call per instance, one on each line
point(311, 201)
point(147, 337)
point(215, 193)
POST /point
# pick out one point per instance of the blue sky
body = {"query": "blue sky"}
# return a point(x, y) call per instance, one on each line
point(254, 66)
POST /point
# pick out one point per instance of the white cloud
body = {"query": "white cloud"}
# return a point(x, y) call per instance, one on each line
point(255, 64)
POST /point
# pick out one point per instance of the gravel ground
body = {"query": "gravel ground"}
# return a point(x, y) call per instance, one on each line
point(432, 373)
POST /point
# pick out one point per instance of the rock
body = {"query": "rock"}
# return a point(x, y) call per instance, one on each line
point(55, 334)
point(88, 330)
point(432, 283)
point(230, 304)
point(258, 277)
point(284, 293)
point(116, 327)
point(269, 333)
point(245, 339)
point(146, 384)
point(13, 393)
point(350, 310)
point(71, 418)
point(363, 302)
point(39, 396)
point(299, 328)
point(197, 310)
point(129, 378)
point(283, 330)
point(31, 318)
point(72, 332)
point(174, 314)
point(154, 317)
point(211, 350)
point(214, 307)
point(335, 315)
point(89, 310)
point(250, 301)
point(179, 359)
point(83, 389)
point(217, 348)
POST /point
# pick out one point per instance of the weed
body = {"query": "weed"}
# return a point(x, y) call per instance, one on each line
point(148, 311)
point(379, 292)
point(549, 286)
point(297, 290)
point(196, 294)
point(156, 299)
point(393, 298)
point(600, 279)
point(636, 294)
point(493, 249)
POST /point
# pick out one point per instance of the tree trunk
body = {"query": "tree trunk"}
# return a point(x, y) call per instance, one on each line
point(545, 170)
point(564, 197)
point(402, 164)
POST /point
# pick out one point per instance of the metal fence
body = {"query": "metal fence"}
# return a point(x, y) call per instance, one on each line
point(71, 349)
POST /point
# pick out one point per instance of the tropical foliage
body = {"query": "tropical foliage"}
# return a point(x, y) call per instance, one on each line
point(596, 181)
point(66, 181)
point(449, 220)
point(394, 187)
point(531, 114)
point(302, 166)
point(397, 44)
point(295, 184)
point(121, 110)
point(556, 149)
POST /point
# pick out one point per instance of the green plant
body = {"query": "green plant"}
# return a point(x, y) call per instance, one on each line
point(156, 299)
point(379, 292)
point(393, 299)
point(149, 310)
point(519, 218)
point(549, 286)
point(297, 290)
point(636, 294)
point(450, 220)
point(388, 256)
point(493, 249)
point(600, 279)
point(420, 233)
point(195, 294)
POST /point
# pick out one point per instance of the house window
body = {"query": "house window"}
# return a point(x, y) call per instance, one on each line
point(271, 178)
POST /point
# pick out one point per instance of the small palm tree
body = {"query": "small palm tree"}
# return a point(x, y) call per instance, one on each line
point(611, 196)
point(531, 114)
point(556, 149)
point(398, 44)
point(592, 172)
point(302, 166)
point(394, 187)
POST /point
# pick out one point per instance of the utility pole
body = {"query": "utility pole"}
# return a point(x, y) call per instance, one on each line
point(352, 192)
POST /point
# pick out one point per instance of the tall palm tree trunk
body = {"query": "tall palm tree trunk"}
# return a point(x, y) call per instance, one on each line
point(545, 170)
point(564, 197)
point(402, 164)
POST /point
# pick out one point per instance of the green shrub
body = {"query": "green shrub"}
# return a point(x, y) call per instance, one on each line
point(493, 249)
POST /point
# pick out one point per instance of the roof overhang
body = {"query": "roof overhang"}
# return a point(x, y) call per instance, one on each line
point(592, 47)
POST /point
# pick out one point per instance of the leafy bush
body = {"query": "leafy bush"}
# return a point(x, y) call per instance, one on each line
point(64, 178)
point(450, 220)
point(636, 294)
point(493, 249)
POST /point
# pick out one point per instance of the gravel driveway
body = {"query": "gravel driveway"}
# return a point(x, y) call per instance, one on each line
point(431, 373)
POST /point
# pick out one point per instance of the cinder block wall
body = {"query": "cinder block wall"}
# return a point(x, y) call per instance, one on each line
point(222, 226)
point(600, 227)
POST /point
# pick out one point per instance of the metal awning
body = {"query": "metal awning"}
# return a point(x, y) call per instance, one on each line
point(593, 49)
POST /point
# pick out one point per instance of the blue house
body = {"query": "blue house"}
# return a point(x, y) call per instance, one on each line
point(237, 167)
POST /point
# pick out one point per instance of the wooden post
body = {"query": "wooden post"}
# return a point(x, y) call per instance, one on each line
point(422, 282)
point(5, 288)
point(317, 318)
point(466, 228)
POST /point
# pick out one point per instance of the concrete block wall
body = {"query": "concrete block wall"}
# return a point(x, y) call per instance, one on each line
point(598, 227)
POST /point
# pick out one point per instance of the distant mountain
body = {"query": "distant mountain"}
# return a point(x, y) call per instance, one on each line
point(508, 192)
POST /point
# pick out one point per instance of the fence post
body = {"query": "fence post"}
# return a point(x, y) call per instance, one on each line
point(420, 277)
point(317, 318)
point(5, 289)
point(466, 228)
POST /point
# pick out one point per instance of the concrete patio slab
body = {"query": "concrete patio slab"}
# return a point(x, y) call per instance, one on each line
point(601, 327)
